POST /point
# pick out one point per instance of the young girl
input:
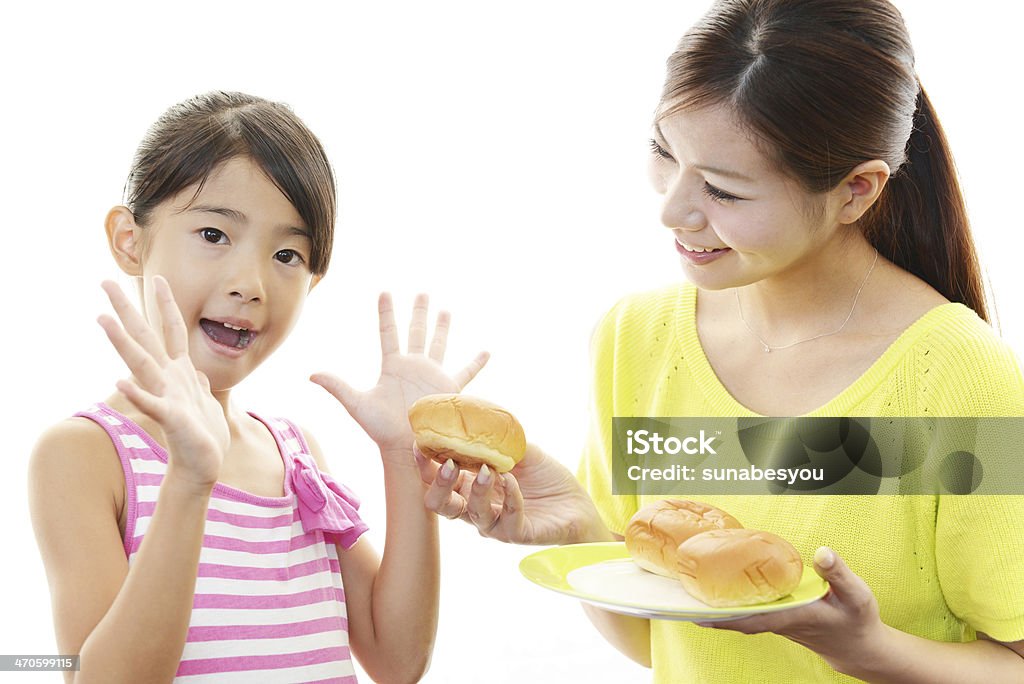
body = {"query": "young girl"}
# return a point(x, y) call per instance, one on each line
point(813, 201)
point(184, 538)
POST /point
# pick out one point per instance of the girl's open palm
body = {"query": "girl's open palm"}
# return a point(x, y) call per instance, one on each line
point(383, 411)
point(165, 386)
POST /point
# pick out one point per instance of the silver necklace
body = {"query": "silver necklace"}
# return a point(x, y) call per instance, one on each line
point(769, 348)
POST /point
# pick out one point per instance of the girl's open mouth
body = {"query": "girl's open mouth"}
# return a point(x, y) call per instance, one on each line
point(227, 334)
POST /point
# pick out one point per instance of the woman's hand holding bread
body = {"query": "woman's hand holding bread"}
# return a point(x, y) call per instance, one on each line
point(537, 501)
point(844, 624)
point(723, 564)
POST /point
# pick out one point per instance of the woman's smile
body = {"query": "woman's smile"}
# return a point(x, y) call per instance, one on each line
point(700, 255)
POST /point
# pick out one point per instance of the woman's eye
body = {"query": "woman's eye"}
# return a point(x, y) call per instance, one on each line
point(718, 195)
point(213, 236)
point(289, 257)
point(659, 150)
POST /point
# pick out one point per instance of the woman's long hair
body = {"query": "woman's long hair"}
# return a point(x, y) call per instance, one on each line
point(826, 85)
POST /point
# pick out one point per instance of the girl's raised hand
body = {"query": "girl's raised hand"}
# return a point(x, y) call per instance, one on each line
point(166, 386)
point(383, 411)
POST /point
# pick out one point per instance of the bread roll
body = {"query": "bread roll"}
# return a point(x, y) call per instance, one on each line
point(468, 430)
point(657, 530)
point(738, 567)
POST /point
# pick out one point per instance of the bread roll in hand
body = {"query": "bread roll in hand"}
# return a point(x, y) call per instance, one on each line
point(468, 430)
point(738, 567)
point(655, 532)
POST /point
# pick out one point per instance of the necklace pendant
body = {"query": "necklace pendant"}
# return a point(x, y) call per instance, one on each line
point(767, 349)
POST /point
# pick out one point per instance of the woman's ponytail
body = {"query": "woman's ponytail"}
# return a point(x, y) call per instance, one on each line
point(920, 222)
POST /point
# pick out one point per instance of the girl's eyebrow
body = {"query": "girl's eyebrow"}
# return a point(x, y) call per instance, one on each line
point(240, 217)
point(735, 175)
point(232, 214)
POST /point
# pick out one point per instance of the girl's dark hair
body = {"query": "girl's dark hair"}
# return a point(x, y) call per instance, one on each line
point(195, 137)
point(827, 85)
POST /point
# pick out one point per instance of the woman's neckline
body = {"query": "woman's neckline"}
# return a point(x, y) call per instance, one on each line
point(722, 400)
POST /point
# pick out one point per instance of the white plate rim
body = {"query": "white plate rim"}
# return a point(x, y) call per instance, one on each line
point(653, 612)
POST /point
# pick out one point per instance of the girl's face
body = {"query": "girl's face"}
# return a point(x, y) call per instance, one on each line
point(237, 258)
point(736, 219)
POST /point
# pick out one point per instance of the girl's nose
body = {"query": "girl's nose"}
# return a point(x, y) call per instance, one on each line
point(246, 297)
point(247, 285)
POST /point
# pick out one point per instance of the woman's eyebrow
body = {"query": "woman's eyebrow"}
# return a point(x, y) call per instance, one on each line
point(726, 173)
point(657, 132)
point(735, 175)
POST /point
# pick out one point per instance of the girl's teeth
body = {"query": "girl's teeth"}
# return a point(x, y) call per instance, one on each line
point(233, 327)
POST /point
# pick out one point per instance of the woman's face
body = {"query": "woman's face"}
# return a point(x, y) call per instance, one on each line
point(736, 219)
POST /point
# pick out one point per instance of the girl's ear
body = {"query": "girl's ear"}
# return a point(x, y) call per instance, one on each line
point(861, 188)
point(312, 283)
point(125, 240)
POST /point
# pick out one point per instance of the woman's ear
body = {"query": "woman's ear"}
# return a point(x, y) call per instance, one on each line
point(124, 238)
point(861, 188)
point(316, 279)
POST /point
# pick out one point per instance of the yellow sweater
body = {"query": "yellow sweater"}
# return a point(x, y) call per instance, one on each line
point(941, 567)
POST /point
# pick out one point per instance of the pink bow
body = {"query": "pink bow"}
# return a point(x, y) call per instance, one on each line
point(325, 504)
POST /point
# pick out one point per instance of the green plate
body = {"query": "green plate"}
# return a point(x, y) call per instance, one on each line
point(604, 575)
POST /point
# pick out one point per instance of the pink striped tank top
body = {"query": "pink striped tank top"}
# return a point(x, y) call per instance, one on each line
point(269, 603)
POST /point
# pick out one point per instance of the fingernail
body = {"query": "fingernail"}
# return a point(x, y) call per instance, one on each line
point(825, 557)
point(448, 469)
point(484, 477)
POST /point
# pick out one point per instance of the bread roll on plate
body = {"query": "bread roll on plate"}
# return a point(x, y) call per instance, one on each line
point(738, 567)
point(468, 430)
point(655, 532)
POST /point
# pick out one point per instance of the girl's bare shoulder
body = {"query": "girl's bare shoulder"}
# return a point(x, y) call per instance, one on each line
point(75, 487)
point(72, 461)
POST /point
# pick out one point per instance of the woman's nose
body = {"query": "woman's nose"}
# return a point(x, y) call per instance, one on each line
point(679, 211)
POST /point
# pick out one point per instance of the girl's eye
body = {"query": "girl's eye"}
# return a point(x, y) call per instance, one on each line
point(718, 195)
point(213, 236)
point(289, 257)
point(659, 150)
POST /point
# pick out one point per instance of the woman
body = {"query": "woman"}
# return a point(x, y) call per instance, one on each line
point(814, 204)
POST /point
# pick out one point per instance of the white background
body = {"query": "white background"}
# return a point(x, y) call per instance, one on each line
point(489, 154)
